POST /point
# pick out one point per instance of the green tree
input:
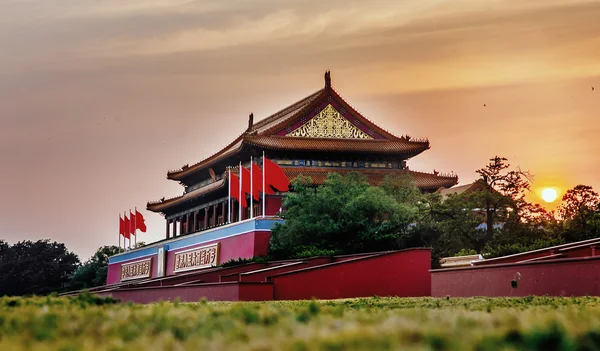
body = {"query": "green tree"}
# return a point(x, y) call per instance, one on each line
point(504, 191)
point(403, 189)
point(489, 211)
point(345, 215)
point(580, 212)
point(39, 267)
point(94, 271)
point(425, 231)
point(459, 218)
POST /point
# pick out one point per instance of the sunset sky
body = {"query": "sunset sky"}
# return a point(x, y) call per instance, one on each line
point(99, 99)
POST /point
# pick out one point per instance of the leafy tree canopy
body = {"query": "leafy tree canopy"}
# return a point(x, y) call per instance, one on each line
point(345, 215)
point(94, 271)
point(35, 267)
point(580, 211)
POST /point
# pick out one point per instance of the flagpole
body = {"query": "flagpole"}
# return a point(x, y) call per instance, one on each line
point(127, 229)
point(135, 227)
point(229, 196)
point(264, 189)
point(119, 250)
point(240, 207)
point(251, 190)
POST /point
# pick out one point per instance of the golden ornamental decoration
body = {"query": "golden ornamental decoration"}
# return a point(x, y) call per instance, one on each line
point(329, 123)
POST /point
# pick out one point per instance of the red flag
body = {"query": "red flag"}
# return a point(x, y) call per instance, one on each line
point(140, 222)
point(132, 220)
point(121, 226)
point(256, 182)
point(234, 189)
point(274, 177)
point(245, 183)
point(126, 227)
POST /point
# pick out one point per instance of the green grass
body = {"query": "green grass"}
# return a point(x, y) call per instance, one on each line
point(88, 323)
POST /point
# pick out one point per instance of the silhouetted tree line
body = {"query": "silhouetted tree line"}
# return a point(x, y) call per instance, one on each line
point(39, 267)
point(42, 267)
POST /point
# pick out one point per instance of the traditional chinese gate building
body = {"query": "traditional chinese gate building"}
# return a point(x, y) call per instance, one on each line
point(319, 134)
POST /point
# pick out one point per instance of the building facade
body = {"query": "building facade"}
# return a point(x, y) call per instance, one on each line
point(319, 134)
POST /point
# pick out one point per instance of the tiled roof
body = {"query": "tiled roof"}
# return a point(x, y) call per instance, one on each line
point(267, 127)
point(463, 189)
point(379, 146)
point(455, 190)
point(230, 149)
point(424, 181)
point(283, 115)
point(327, 94)
point(236, 145)
point(161, 205)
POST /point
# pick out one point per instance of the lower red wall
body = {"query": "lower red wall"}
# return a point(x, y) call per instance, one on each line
point(239, 246)
point(210, 275)
point(562, 277)
point(261, 243)
point(581, 252)
point(513, 258)
point(263, 274)
point(401, 273)
point(213, 292)
point(114, 270)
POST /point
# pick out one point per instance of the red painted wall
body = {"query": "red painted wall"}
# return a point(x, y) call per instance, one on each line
point(564, 248)
point(262, 274)
point(273, 204)
point(261, 243)
point(213, 292)
point(561, 277)
point(239, 246)
point(402, 273)
point(343, 258)
point(580, 252)
point(210, 275)
point(513, 259)
point(256, 292)
point(114, 270)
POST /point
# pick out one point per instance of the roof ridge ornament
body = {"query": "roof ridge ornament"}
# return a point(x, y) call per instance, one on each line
point(327, 79)
point(250, 121)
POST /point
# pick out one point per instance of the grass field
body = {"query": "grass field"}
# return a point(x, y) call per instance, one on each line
point(89, 323)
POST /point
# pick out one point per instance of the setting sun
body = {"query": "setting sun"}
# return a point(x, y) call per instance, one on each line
point(549, 194)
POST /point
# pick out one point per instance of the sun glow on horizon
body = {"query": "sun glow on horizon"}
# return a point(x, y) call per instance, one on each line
point(549, 194)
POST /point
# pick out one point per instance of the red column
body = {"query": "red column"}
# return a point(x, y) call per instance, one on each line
point(205, 217)
point(188, 228)
point(194, 224)
point(224, 212)
point(214, 216)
